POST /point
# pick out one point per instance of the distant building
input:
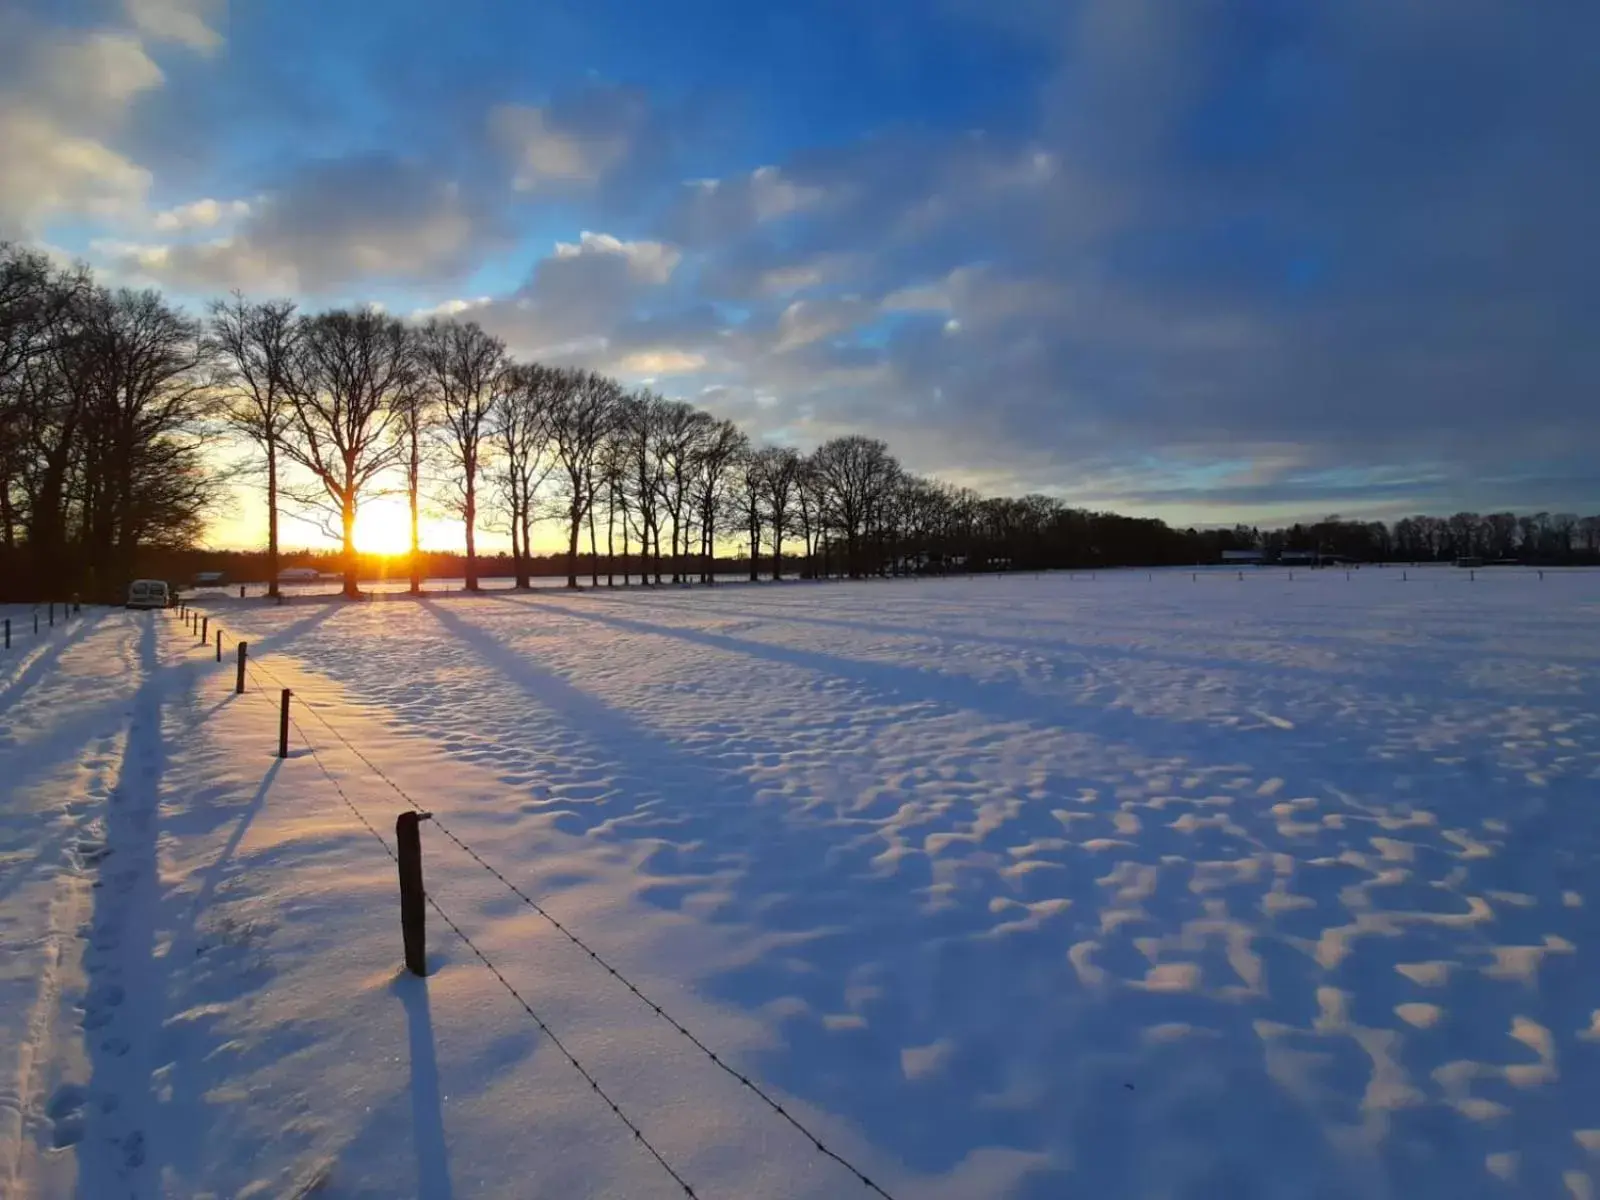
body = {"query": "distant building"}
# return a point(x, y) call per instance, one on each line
point(1244, 556)
point(298, 575)
point(210, 578)
point(1300, 558)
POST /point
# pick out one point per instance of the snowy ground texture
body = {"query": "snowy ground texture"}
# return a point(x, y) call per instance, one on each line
point(1131, 886)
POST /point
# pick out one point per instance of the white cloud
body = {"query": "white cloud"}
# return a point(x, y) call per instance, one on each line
point(200, 214)
point(180, 21)
point(808, 321)
point(660, 362)
point(451, 308)
point(64, 95)
point(648, 262)
point(541, 153)
point(773, 196)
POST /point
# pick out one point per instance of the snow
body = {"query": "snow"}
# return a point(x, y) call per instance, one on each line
point(1125, 884)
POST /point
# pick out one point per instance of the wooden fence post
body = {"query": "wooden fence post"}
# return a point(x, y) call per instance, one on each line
point(283, 724)
point(205, 629)
point(413, 900)
point(219, 645)
point(238, 685)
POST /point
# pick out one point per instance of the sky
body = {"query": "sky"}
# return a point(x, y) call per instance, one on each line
point(1207, 260)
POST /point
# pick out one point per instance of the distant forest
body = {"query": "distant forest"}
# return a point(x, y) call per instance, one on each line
point(122, 419)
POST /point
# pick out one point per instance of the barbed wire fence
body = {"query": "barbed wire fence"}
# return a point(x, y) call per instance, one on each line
point(253, 670)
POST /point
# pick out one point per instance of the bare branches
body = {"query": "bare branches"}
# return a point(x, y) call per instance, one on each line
point(348, 382)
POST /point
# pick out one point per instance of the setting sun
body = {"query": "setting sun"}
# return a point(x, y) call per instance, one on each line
point(383, 526)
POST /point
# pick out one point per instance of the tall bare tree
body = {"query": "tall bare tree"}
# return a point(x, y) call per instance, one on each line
point(464, 368)
point(253, 347)
point(349, 369)
point(520, 434)
point(720, 451)
point(414, 415)
point(855, 474)
point(780, 481)
point(584, 406)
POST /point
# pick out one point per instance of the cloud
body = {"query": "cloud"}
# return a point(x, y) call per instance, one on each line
point(199, 214)
point(645, 261)
point(577, 140)
point(62, 101)
point(334, 226)
point(659, 362)
point(180, 21)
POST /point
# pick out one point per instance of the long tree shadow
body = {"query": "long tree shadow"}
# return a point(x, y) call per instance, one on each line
point(124, 1008)
point(1199, 744)
point(846, 927)
point(42, 663)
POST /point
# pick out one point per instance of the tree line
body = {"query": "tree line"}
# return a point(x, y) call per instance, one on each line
point(112, 403)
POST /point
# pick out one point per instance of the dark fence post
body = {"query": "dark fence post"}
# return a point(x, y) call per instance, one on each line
point(241, 591)
point(205, 629)
point(238, 685)
point(8, 633)
point(36, 620)
point(52, 614)
point(413, 900)
point(283, 724)
point(219, 645)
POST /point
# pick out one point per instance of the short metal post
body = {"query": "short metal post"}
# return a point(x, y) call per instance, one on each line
point(205, 629)
point(36, 620)
point(241, 591)
point(1472, 577)
point(219, 645)
point(283, 724)
point(238, 685)
point(413, 900)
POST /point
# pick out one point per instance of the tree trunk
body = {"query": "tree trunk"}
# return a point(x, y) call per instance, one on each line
point(413, 482)
point(470, 517)
point(272, 517)
point(611, 539)
point(755, 551)
point(572, 546)
point(347, 512)
point(594, 552)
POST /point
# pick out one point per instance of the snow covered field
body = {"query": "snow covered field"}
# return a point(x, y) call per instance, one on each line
point(1004, 887)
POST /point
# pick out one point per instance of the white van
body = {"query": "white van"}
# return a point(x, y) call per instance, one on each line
point(148, 593)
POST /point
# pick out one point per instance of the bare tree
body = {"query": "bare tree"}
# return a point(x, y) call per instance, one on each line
point(780, 481)
point(638, 422)
point(752, 484)
point(854, 474)
point(138, 369)
point(583, 407)
point(679, 431)
point(349, 369)
point(414, 415)
point(464, 369)
point(520, 432)
point(253, 346)
point(720, 450)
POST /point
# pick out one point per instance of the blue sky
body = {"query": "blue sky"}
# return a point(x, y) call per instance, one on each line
point(1214, 260)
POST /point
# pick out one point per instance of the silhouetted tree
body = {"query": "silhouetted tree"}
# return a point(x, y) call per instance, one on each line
point(464, 371)
point(253, 347)
point(350, 369)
